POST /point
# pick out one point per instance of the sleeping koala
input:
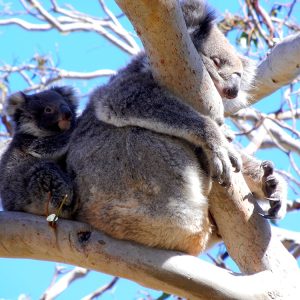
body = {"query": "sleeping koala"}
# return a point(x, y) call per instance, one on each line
point(133, 98)
point(144, 160)
point(32, 177)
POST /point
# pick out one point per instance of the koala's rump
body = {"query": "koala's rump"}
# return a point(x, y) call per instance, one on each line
point(138, 185)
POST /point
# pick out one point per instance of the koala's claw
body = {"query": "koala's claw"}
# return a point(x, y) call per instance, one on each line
point(272, 199)
point(273, 191)
point(268, 216)
point(274, 210)
point(268, 167)
point(222, 162)
point(269, 187)
point(236, 161)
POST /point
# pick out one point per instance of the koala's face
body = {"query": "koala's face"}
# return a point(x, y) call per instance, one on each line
point(223, 64)
point(231, 73)
point(49, 111)
point(42, 114)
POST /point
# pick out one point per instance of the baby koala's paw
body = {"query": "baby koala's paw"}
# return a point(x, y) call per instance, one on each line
point(62, 196)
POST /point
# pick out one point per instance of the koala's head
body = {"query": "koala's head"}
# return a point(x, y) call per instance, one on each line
point(43, 114)
point(231, 73)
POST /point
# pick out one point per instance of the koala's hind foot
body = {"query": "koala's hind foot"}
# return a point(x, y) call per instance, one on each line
point(274, 189)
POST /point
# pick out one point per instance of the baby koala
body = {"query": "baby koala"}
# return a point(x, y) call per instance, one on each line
point(32, 177)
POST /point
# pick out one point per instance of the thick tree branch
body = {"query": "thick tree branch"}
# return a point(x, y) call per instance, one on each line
point(27, 236)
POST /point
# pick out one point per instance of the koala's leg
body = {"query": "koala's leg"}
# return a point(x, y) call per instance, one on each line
point(45, 180)
point(265, 183)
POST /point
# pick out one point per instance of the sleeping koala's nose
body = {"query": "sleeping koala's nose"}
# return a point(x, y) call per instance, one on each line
point(232, 87)
point(231, 92)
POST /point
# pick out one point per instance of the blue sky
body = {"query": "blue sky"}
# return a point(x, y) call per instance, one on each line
point(81, 52)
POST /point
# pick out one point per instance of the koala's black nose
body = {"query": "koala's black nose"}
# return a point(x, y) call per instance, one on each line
point(231, 92)
point(232, 87)
point(66, 113)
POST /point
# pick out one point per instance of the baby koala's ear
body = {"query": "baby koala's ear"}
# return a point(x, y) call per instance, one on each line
point(14, 102)
point(68, 93)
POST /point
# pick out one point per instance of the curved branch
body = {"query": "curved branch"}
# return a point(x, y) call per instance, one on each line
point(28, 236)
point(279, 68)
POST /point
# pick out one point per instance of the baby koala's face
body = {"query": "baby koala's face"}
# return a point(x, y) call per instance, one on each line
point(50, 111)
point(43, 114)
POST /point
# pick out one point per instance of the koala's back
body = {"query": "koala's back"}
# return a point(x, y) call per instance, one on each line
point(13, 165)
point(138, 185)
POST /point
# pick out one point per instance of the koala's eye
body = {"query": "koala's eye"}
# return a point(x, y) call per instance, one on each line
point(216, 61)
point(48, 110)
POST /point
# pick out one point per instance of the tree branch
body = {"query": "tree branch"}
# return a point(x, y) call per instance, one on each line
point(62, 284)
point(279, 68)
point(28, 236)
point(73, 21)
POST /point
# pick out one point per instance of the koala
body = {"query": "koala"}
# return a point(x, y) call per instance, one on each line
point(144, 160)
point(231, 73)
point(32, 177)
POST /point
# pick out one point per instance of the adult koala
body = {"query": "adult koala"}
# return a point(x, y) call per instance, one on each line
point(143, 160)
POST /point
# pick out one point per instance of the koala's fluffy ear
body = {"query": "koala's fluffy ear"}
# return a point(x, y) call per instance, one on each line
point(199, 18)
point(68, 93)
point(14, 102)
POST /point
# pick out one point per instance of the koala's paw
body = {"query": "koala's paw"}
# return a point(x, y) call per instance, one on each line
point(222, 160)
point(44, 181)
point(274, 188)
point(61, 191)
point(39, 182)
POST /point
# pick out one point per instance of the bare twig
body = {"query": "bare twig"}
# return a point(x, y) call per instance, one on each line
point(99, 292)
point(63, 283)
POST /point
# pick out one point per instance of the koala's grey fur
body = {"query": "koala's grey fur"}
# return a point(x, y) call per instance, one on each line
point(143, 159)
point(32, 177)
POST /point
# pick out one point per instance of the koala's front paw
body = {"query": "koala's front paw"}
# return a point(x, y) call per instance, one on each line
point(61, 191)
point(222, 159)
point(45, 180)
point(62, 195)
point(274, 188)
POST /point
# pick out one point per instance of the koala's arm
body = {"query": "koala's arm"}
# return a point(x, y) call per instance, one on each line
point(265, 183)
point(155, 109)
point(46, 177)
point(34, 186)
